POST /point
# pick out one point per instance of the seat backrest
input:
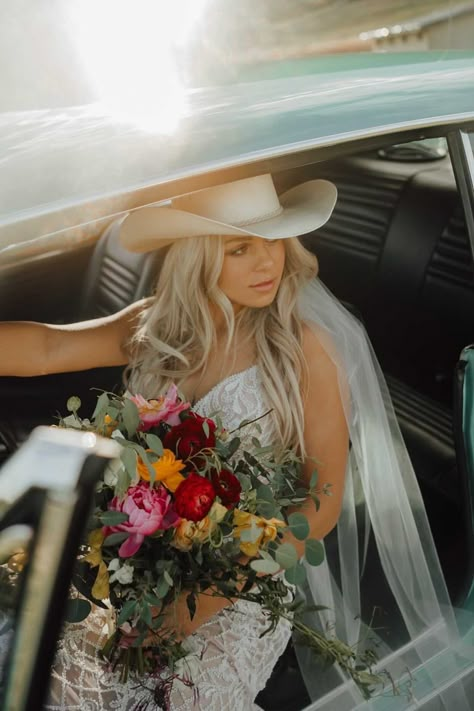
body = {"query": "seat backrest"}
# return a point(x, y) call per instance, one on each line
point(116, 277)
point(397, 247)
point(464, 441)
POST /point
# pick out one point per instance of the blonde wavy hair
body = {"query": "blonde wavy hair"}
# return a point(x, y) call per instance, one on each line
point(177, 334)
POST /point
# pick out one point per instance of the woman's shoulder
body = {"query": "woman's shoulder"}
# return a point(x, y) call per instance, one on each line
point(326, 369)
point(316, 343)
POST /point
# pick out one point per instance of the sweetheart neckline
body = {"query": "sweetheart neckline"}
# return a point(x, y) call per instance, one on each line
point(223, 381)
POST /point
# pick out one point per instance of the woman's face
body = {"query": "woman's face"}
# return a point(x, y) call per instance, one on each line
point(252, 270)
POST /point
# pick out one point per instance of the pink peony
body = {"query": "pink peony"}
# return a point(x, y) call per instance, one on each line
point(148, 510)
point(166, 409)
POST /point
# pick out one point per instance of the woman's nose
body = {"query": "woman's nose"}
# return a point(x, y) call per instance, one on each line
point(264, 257)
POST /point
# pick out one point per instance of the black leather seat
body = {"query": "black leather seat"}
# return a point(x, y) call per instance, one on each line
point(116, 277)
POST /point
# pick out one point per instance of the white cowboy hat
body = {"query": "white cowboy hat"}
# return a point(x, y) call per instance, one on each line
point(245, 207)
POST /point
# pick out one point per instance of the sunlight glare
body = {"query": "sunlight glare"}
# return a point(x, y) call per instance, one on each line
point(129, 52)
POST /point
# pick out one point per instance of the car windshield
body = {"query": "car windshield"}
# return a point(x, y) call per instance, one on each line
point(130, 97)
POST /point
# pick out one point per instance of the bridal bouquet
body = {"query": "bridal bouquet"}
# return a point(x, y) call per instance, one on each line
point(192, 509)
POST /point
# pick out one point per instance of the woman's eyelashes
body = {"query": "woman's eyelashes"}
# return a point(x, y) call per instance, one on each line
point(242, 248)
point(237, 251)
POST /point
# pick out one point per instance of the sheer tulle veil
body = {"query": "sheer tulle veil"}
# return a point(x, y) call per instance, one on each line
point(381, 581)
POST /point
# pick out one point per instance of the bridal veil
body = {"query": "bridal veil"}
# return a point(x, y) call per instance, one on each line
point(381, 580)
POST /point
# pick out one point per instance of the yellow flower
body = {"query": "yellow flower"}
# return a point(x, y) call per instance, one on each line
point(189, 532)
point(255, 531)
point(167, 470)
point(109, 426)
point(100, 589)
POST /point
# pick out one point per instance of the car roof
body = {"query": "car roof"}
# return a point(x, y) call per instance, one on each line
point(57, 161)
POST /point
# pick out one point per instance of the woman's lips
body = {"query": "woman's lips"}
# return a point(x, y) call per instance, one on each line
point(264, 285)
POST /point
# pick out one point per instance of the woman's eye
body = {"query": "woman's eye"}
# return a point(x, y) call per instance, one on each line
point(239, 250)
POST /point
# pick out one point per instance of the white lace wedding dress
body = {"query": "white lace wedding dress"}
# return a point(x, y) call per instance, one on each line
point(228, 662)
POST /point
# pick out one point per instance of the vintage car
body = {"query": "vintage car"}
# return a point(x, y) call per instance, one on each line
point(395, 134)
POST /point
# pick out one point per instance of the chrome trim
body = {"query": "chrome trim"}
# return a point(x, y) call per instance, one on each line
point(463, 165)
point(41, 580)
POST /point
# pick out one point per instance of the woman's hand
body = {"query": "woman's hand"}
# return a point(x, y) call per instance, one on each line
point(177, 621)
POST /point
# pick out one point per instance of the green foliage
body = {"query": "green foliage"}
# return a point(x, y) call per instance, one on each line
point(286, 555)
point(296, 575)
point(112, 518)
point(77, 610)
point(299, 525)
point(126, 612)
point(314, 551)
point(267, 566)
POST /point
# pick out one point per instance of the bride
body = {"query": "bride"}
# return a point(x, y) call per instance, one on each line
point(239, 321)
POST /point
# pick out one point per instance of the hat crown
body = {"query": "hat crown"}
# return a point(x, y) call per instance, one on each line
point(242, 202)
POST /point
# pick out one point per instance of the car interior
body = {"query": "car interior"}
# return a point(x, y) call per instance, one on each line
point(395, 252)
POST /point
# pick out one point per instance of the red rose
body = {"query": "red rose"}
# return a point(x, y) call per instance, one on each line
point(227, 487)
point(194, 497)
point(189, 438)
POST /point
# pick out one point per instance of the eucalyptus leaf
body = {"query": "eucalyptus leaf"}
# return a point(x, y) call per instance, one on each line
point(266, 501)
point(168, 578)
point(129, 460)
point(267, 566)
point(265, 493)
point(146, 459)
point(153, 600)
point(101, 405)
point(205, 428)
point(296, 575)
point(123, 480)
point(113, 518)
point(131, 418)
point(314, 551)
point(233, 446)
point(314, 479)
point(73, 404)
point(146, 614)
point(267, 510)
point(77, 610)
point(126, 612)
point(299, 525)
point(115, 538)
point(162, 588)
point(154, 443)
point(286, 555)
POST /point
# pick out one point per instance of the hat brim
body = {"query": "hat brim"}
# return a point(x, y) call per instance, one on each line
point(305, 208)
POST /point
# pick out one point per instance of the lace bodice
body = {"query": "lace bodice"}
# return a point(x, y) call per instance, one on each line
point(240, 397)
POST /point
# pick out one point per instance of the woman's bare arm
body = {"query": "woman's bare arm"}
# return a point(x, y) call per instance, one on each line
point(28, 348)
point(326, 439)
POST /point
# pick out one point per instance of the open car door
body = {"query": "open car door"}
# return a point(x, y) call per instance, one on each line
point(46, 491)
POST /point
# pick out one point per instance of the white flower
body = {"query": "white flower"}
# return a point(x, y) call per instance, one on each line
point(123, 575)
